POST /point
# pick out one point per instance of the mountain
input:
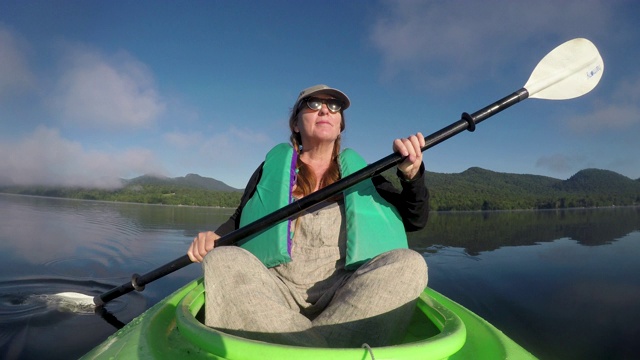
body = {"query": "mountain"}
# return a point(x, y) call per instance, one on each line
point(481, 180)
point(480, 189)
point(472, 189)
point(596, 180)
point(190, 190)
point(192, 181)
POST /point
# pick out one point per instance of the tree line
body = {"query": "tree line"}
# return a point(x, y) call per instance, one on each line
point(479, 189)
point(144, 194)
point(472, 190)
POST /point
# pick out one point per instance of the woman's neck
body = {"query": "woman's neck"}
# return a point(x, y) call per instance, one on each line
point(318, 161)
point(317, 151)
point(313, 157)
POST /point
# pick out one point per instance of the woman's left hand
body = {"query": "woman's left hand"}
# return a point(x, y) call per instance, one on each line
point(410, 148)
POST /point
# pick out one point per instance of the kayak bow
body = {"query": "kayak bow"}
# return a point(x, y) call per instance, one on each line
point(440, 329)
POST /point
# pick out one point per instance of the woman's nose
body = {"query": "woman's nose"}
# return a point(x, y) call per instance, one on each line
point(324, 109)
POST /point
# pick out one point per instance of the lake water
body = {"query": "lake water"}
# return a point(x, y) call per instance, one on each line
point(563, 284)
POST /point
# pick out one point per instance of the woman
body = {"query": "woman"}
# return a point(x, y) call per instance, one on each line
point(339, 275)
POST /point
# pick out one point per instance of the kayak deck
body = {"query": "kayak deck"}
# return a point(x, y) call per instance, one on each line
point(440, 329)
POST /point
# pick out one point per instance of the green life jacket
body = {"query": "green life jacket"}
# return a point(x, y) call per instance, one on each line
point(373, 225)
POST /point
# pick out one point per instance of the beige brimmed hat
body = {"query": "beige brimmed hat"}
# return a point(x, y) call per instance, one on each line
point(323, 89)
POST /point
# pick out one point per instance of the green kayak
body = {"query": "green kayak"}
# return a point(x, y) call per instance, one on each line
point(440, 329)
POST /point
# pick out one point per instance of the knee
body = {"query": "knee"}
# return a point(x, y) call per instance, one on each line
point(227, 258)
point(407, 258)
point(410, 266)
point(405, 266)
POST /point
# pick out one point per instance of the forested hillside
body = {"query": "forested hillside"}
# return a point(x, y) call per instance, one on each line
point(191, 190)
point(473, 189)
point(190, 181)
point(479, 189)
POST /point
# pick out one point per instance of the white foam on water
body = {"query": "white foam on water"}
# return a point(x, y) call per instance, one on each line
point(69, 302)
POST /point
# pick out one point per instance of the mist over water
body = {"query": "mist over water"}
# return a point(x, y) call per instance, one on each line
point(563, 284)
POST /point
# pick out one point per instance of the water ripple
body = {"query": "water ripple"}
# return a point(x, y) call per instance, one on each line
point(35, 325)
point(97, 267)
point(30, 300)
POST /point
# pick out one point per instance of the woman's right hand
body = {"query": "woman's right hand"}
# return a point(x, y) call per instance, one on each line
point(201, 245)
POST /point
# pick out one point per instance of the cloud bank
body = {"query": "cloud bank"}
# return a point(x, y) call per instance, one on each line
point(221, 152)
point(44, 157)
point(90, 93)
point(562, 163)
point(620, 112)
point(441, 42)
point(15, 75)
point(97, 91)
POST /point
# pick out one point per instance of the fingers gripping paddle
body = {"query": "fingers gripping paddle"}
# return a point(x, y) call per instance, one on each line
point(568, 71)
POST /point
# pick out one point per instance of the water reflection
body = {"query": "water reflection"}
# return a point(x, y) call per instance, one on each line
point(562, 283)
point(573, 293)
point(48, 246)
point(477, 232)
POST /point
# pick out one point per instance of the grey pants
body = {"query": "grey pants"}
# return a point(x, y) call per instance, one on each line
point(372, 305)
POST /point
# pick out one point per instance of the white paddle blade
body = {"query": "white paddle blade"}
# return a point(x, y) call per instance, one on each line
point(71, 302)
point(568, 71)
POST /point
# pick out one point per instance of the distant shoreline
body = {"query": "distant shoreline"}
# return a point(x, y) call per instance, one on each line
point(475, 189)
point(115, 201)
point(233, 208)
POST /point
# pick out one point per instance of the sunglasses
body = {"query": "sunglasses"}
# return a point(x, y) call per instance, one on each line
point(314, 103)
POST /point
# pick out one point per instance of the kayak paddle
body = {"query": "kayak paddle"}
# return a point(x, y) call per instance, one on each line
point(568, 71)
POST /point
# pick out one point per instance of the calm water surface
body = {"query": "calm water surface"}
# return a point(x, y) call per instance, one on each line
point(564, 284)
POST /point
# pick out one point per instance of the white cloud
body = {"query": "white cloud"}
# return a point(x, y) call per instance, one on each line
point(621, 112)
point(224, 147)
point(230, 146)
point(451, 43)
point(561, 163)
point(610, 117)
point(223, 155)
point(15, 75)
point(183, 140)
point(46, 158)
point(96, 91)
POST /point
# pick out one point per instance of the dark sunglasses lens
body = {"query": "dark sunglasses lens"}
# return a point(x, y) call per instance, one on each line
point(333, 105)
point(314, 104)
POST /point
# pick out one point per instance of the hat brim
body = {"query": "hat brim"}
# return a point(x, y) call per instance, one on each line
point(323, 89)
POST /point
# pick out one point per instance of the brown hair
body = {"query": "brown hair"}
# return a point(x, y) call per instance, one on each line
point(306, 179)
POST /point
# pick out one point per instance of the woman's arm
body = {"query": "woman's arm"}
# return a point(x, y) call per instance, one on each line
point(205, 241)
point(233, 223)
point(412, 201)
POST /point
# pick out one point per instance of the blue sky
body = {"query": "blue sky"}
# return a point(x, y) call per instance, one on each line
point(92, 91)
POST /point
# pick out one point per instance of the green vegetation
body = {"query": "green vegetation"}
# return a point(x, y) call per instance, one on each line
point(146, 194)
point(473, 189)
point(477, 232)
point(479, 189)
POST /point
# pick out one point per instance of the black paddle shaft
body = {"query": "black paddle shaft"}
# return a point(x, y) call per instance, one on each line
point(467, 122)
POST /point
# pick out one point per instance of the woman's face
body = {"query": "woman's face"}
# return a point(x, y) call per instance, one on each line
point(318, 126)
